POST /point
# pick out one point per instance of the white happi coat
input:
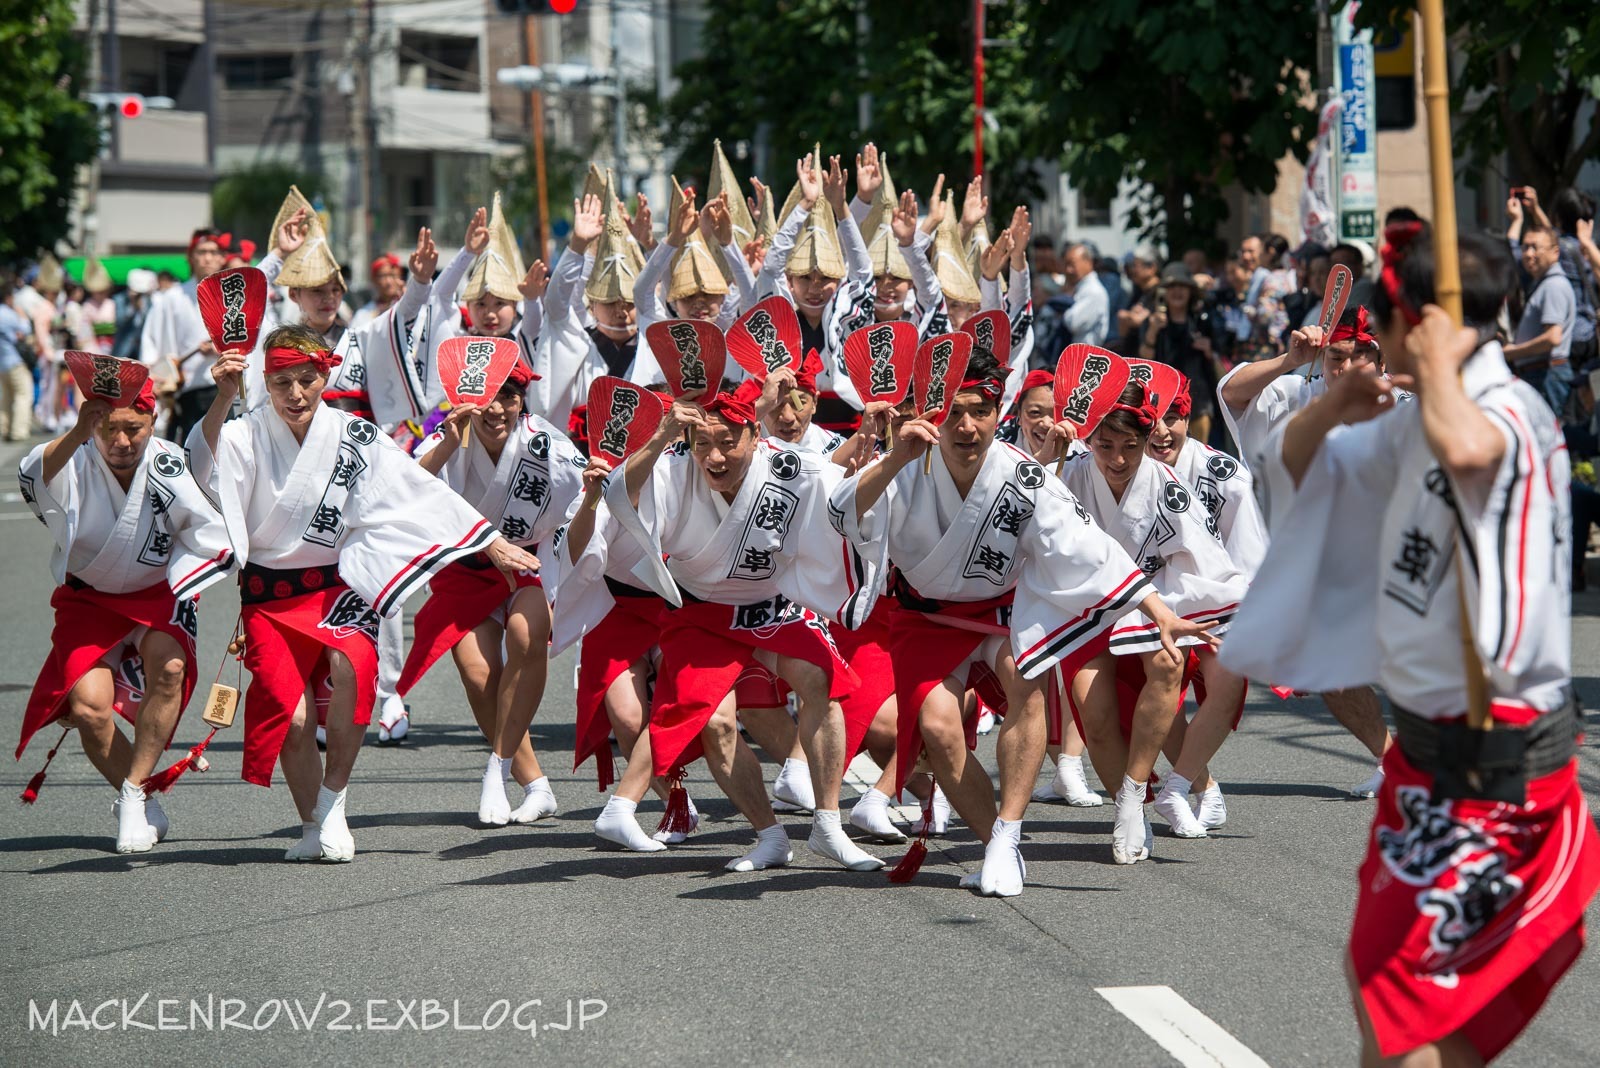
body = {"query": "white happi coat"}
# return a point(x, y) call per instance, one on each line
point(1269, 409)
point(1015, 529)
point(527, 493)
point(582, 598)
point(1227, 489)
point(161, 528)
point(848, 311)
point(1171, 536)
point(347, 496)
point(773, 540)
point(1329, 610)
point(816, 441)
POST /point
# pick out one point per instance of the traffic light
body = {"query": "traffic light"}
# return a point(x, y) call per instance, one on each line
point(128, 105)
point(535, 7)
point(132, 106)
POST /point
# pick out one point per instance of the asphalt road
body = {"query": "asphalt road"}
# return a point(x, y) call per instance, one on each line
point(665, 958)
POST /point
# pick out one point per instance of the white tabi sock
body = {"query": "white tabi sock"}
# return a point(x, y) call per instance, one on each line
point(538, 801)
point(829, 840)
point(1212, 811)
point(1172, 805)
point(338, 845)
point(771, 851)
point(870, 815)
point(157, 817)
point(1071, 784)
point(793, 786)
point(309, 847)
point(134, 833)
point(1127, 832)
point(493, 808)
point(619, 825)
point(1003, 869)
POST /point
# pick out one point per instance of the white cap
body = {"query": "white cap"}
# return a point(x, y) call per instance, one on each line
point(141, 280)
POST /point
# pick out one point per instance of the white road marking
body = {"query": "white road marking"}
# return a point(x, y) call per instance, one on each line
point(17, 515)
point(10, 498)
point(862, 775)
point(1192, 1037)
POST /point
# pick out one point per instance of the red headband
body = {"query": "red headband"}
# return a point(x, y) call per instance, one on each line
point(733, 408)
point(987, 388)
point(1357, 331)
point(146, 400)
point(578, 423)
point(280, 358)
point(1037, 379)
point(1398, 238)
point(805, 376)
point(1144, 414)
point(1182, 402)
point(521, 375)
point(222, 240)
point(388, 259)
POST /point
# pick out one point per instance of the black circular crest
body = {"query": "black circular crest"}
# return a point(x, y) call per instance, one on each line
point(1030, 475)
point(168, 465)
point(1175, 497)
point(785, 465)
point(1222, 468)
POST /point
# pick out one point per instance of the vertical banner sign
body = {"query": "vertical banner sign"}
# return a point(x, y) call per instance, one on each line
point(1357, 89)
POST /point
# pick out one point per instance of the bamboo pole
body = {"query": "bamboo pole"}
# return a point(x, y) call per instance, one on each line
point(1447, 292)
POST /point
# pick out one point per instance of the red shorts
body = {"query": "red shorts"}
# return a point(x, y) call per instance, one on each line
point(628, 632)
point(705, 648)
point(1469, 911)
point(461, 596)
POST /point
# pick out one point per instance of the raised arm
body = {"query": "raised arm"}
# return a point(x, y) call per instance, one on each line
point(1247, 380)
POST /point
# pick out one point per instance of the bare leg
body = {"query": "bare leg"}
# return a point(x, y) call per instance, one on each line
point(344, 734)
point(957, 771)
point(89, 710)
point(1360, 712)
point(625, 704)
point(1453, 1051)
point(821, 728)
point(1094, 691)
point(1214, 719)
point(299, 759)
point(1020, 748)
point(773, 730)
point(1153, 715)
point(163, 701)
point(522, 680)
point(735, 767)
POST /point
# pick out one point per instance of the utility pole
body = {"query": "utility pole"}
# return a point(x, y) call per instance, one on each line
point(361, 211)
point(88, 217)
point(619, 105)
point(530, 49)
point(977, 88)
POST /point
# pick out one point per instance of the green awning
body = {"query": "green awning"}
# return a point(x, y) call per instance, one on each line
point(119, 266)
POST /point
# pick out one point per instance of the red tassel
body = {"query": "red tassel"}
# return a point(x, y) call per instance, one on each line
point(676, 819)
point(162, 781)
point(30, 793)
point(1283, 693)
point(911, 863)
point(605, 768)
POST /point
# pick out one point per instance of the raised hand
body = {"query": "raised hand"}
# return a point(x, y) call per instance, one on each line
point(682, 226)
point(641, 225)
point(994, 257)
point(869, 175)
point(477, 236)
point(1304, 344)
point(974, 208)
point(228, 372)
point(833, 184)
point(810, 182)
point(588, 222)
point(426, 257)
point(292, 234)
point(716, 222)
point(535, 282)
point(1021, 229)
point(903, 224)
point(755, 253)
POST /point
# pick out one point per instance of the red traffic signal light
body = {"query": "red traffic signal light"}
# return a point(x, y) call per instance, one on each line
point(131, 107)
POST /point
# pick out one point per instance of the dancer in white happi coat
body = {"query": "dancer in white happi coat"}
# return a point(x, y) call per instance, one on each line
point(520, 473)
point(1483, 853)
point(1258, 398)
point(1145, 506)
point(335, 527)
point(135, 543)
point(758, 571)
point(1001, 576)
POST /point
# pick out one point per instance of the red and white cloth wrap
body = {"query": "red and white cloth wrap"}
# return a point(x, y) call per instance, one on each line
point(463, 595)
point(1172, 536)
point(627, 633)
point(291, 620)
point(704, 649)
point(1469, 912)
point(88, 625)
point(1015, 530)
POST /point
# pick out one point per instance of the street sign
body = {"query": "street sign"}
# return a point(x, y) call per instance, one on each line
point(1355, 81)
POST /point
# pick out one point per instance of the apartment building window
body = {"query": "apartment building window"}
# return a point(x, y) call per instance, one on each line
point(265, 71)
point(155, 69)
point(1093, 210)
point(438, 61)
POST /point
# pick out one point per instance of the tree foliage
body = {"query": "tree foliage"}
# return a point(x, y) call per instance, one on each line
point(245, 202)
point(46, 131)
point(1526, 82)
point(1182, 98)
